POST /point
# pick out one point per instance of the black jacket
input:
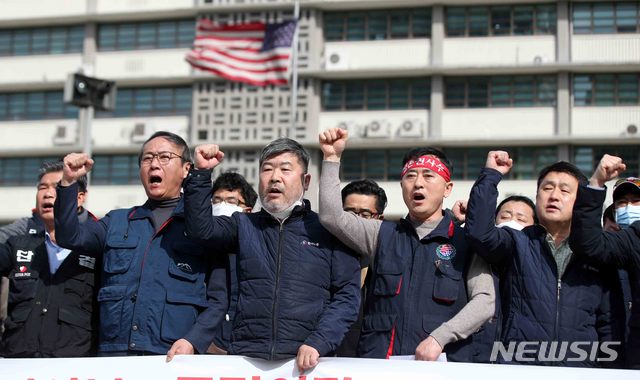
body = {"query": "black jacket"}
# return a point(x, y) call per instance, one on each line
point(297, 284)
point(621, 248)
point(584, 305)
point(49, 315)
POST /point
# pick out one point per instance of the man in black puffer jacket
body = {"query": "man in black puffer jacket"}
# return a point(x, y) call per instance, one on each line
point(299, 288)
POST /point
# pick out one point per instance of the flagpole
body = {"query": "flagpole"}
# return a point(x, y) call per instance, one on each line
point(294, 63)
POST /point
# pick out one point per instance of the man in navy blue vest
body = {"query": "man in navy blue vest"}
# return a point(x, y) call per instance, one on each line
point(427, 293)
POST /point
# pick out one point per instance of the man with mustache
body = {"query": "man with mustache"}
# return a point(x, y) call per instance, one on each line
point(154, 297)
point(549, 295)
point(427, 294)
point(299, 288)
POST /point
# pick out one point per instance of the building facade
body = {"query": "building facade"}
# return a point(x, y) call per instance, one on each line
point(545, 80)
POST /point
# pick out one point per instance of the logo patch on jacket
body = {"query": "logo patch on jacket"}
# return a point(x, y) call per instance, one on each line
point(446, 251)
point(22, 272)
point(306, 242)
point(23, 256)
point(185, 267)
point(87, 261)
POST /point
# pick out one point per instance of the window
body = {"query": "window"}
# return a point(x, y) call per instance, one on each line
point(500, 20)
point(376, 164)
point(528, 161)
point(146, 35)
point(606, 17)
point(22, 171)
point(606, 89)
point(376, 94)
point(152, 101)
point(35, 106)
point(586, 158)
point(121, 169)
point(500, 91)
point(52, 40)
point(377, 24)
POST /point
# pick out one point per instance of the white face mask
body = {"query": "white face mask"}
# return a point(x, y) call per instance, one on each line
point(225, 209)
point(511, 224)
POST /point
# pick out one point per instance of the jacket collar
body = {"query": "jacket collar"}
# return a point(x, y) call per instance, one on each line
point(297, 212)
point(444, 229)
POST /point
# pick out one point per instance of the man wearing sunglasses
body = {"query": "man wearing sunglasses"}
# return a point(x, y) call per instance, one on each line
point(620, 248)
point(154, 297)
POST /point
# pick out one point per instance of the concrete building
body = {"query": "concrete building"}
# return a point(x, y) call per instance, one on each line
point(545, 80)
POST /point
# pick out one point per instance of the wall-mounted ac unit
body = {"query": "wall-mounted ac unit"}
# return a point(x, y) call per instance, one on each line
point(141, 132)
point(351, 127)
point(335, 59)
point(540, 59)
point(377, 129)
point(411, 128)
point(65, 134)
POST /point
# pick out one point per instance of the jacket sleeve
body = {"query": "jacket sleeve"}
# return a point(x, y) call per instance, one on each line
point(19, 227)
point(490, 242)
point(343, 308)
point(217, 232)
point(203, 332)
point(70, 233)
point(480, 308)
point(358, 233)
point(6, 262)
point(587, 237)
point(611, 317)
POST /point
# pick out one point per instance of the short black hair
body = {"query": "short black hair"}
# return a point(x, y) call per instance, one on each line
point(562, 167)
point(428, 151)
point(367, 187)
point(233, 181)
point(609, 214)
point(172, 138)
point(522, 199)
point(58, 166)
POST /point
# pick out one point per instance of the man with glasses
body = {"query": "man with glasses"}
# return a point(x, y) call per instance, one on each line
point(154, 297)
point(618, 247)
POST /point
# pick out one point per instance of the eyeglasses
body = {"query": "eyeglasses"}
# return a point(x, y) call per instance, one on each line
point(229, 200)
point(163, 157)
point(363, 213)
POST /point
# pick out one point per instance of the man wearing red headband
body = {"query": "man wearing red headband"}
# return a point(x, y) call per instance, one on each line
point(427, 293)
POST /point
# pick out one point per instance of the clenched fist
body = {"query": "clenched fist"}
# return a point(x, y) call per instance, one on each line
point(500, 161)
point(75, 166)
point(333, 142)
point(208, 156)
point(608, 168)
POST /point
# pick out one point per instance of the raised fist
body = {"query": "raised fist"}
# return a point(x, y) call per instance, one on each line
point(333, 142)
point(609, 168)
point(75, 166)
point(500, 161)
point(208, 156)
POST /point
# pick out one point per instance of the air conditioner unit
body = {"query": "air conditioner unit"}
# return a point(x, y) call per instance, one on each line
point(65, 135)
point(351, 127)
point(140, 133)
point(411, 128)
point(335, 59)
point(540, 59)
point(377, 129)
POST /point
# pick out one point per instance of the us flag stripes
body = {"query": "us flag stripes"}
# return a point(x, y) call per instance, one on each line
point(256, 53)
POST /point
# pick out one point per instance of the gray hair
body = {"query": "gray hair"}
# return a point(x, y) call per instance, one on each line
point(285, 145)
point(58, 166)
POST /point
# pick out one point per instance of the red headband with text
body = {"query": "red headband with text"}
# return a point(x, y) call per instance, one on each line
point(428, 162)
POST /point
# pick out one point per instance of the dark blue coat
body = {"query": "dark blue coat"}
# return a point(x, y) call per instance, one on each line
point(585, 305)
point(153, 284)
point(621, 248)
point(297, 283)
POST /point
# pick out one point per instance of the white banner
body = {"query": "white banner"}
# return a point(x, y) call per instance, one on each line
point(210, 367)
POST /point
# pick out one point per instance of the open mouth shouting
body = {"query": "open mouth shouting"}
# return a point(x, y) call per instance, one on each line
point(155, 180)
point(47, 206)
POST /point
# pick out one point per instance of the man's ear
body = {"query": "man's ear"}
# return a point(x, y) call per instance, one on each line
point(186, 168)
point(306, 180)
point(82, 197)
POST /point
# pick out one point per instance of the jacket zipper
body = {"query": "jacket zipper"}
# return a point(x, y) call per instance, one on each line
point(274, 306)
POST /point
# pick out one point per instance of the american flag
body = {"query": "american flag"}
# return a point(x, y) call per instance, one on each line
point(256, 53)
